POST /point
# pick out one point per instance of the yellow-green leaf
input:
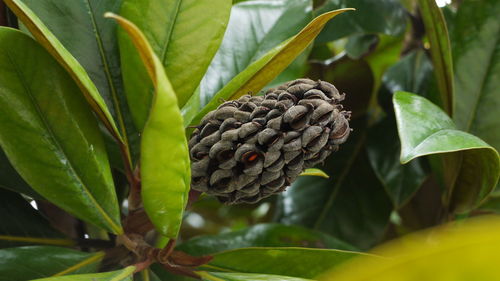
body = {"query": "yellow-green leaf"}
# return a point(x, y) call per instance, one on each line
point(450, 253)
point(315, 172)
point(125, 274)
point(165, 168)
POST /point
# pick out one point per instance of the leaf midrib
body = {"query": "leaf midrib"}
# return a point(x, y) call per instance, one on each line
point(170, 31)
point(57, 144)
point(483, 82)
point(107, 72)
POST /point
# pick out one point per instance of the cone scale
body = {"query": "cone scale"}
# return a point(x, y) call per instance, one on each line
point(256, 146)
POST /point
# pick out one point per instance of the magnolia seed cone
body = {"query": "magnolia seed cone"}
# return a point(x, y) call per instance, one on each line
point(256, 146)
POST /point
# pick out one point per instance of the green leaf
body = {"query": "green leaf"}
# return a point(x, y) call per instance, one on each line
point(50, 135)
point(183, 35)
point(315, 172)
point(255, 27)
point(30, 262)
point(352, 205)
point(296, 262)
point(74, 68)
point(11, 180)
point(267, 67)
point(219, 276)
point(437, 33)
point(125, 274)
point(262, 235)
point(383, 148)
point(411, 73)
point(476, 58)
point(450, 253)
point(165, 166)
point(23, 225)
point(382, 16)
point(360, 44)
point(424, 129)
point(91, 39)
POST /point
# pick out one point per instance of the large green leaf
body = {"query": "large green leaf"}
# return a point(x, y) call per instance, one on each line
point(31, 262)
point(21, 224)
point(371, 16)
point(165, 166)
point(400, 181)
point(258, 74)
point(451, 253)
point(68, 61)
point(296, 262)
point(411, 73)
point(125, 274)
point(262, 235)
point(50, 135)
point(219, 276)
point(352, 205)
point(476, 58)
point(184, 34)
point(440, 49)
point(11, 180)
point(91, 39)
point(425, 129)
point(255, 27)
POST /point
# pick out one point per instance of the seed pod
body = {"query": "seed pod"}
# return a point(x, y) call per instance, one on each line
point(253, 147)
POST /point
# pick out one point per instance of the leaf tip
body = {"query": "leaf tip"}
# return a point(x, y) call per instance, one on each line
point(110, 15)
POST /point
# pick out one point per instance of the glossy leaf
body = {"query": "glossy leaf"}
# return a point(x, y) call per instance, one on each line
point(383, 148)
point(184, 36)
point(262, 235)
point(23, 225)
point(440, 49)
point(382, 16)
point(450, 253)
point(476, 58)
point(360, 44)
point(255, 27)
point(31, 262)
point(348, 206)
point(11, 180)
point(314, 172)
point(125, 274)
point(220, 276)
point(412, 73)
point(296, 262)
point(91, 39)
point(267, 67)
point(68, 61)
point(50, 135)
point(165, 167)
point(424, 129)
